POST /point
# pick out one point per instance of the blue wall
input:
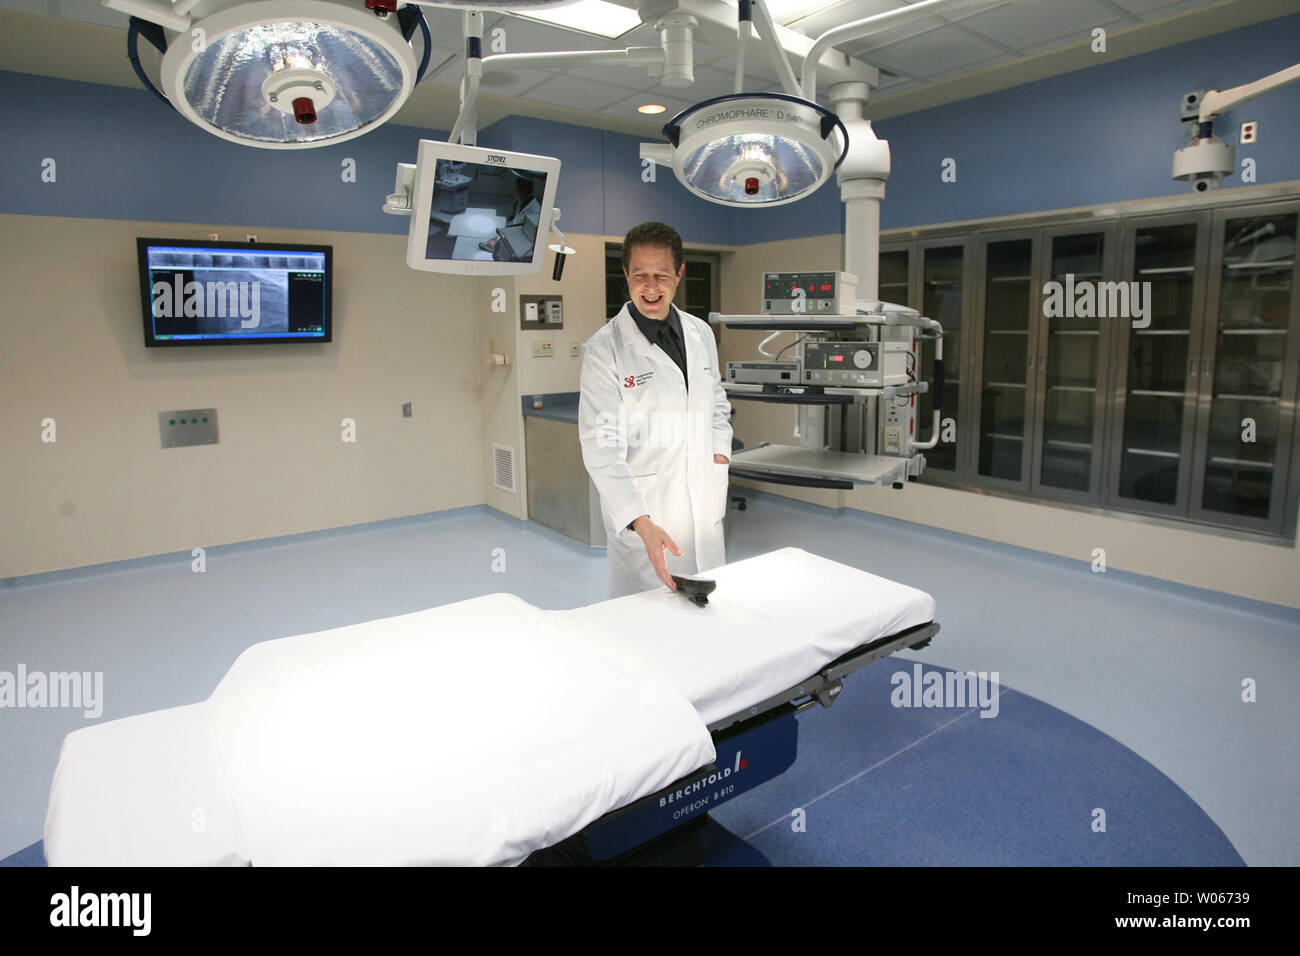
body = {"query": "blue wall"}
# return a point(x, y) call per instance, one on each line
point(1103, 134)
point(122, 154)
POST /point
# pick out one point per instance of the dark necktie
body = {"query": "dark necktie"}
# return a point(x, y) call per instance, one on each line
point(668, 342)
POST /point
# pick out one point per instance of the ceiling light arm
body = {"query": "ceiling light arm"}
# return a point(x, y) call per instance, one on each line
point(1217, 102)
point(155, 11)
point(154, 34)
point(775, 51)
point(869, 25)
point(409, 17)
point(466, 128)
point(632, 56)
point(744, 33)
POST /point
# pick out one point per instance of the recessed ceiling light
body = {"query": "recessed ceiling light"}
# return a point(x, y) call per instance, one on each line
point(598, 17)
point(651, 108)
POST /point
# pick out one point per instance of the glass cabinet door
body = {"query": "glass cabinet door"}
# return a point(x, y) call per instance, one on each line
point(1072, 362)
point(943, 290)
point(1155, 403)
point(1007, 304)
point(1248, 370)
point(895, 278)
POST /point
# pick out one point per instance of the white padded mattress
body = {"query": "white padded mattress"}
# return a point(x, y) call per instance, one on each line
point(774, 620)
point(470, 733)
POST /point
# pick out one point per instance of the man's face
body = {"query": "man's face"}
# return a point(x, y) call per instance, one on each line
point(651, 280)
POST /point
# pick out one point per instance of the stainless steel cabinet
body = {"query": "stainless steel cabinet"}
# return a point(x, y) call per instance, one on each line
point(1182, 404)
point(1155, 404)
point(1250, 350)
point(1003, 416)
point(1075, 333)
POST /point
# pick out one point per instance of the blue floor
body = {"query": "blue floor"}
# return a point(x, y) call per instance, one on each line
point(1120, 695)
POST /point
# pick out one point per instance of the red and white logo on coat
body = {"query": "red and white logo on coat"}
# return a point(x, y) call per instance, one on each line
point(632, 381)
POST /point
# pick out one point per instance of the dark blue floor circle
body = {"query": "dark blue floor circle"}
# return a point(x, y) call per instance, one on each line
point(887, 785)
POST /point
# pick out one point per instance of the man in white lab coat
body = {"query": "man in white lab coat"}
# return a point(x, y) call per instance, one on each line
point(654, 422)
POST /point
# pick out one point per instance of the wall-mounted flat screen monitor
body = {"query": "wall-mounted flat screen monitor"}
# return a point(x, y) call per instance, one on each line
point(477, 211)
point(234, 293)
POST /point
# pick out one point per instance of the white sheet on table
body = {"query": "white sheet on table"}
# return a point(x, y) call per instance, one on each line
point(773, 620)
point(472, 733)
point(142, 791)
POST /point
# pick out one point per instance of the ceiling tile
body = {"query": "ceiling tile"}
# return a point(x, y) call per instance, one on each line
point(89, 11)
point(708, 84)
point(1169, 9)
point(970, 67)
point(937, 51)
point(516, 82)
point(892, 35)
point(643, 35)
point(529, 36)
point(40, 8)
point(445, 69)
point(1144, 7)
point(757, 65)
point(1037, 24)
point(576, 93)
point(627, 77)
point(836, 14)
point(1077, 37)
point(446, 27)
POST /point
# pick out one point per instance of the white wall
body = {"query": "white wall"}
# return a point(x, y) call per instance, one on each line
point(72, 349)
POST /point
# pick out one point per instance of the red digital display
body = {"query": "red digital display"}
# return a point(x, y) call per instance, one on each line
point(836, 358)
point(827, 288)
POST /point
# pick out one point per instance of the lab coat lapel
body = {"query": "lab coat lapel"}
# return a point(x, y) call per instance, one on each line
point(643, 348)
point(696, 357)
point(633, 338)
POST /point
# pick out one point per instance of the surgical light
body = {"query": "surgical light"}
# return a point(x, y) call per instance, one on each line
point(282, 74)
point(752, 149)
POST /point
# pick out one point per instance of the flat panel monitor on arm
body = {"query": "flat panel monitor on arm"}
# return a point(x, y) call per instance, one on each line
point(478, 211)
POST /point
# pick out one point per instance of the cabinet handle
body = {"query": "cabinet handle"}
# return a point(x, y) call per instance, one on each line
point(1205, 366)
point(1191, 368)
point(1031, 361)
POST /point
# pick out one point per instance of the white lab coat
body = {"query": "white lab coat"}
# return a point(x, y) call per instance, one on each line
point(648, 444)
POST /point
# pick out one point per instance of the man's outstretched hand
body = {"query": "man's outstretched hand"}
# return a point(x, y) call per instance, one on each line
point(656, 539)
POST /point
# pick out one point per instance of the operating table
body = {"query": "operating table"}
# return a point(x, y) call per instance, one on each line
point(485, 731)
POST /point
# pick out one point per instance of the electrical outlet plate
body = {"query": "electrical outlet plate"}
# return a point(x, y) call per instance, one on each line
point(543, 349)
point(1249, 132)
point(188, 426)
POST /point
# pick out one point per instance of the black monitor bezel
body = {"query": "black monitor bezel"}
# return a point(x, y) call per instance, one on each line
point(146, 292)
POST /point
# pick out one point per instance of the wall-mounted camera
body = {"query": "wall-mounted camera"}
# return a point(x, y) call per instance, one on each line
point(1204, 163)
